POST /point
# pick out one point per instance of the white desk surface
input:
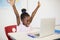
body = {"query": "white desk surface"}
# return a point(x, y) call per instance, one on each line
point(23, 36)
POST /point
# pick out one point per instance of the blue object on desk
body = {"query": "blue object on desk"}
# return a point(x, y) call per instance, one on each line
point(31, 36)
point(57, 31)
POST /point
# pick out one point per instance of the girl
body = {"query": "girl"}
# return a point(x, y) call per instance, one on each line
point(25, 18)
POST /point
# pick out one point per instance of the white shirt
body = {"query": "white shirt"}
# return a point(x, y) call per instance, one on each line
point(22, 28)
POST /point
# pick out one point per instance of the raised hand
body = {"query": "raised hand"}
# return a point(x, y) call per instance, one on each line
point(12, 2)
point(38, 4)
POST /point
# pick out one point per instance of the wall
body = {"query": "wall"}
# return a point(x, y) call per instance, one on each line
point(48, 9)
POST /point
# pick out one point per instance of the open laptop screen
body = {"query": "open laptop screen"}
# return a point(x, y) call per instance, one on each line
point(47, 26)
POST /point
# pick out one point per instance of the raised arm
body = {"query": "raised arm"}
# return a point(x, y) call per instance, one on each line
point(34, 12)
point(12, 3)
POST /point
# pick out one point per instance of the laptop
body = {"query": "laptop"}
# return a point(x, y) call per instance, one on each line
point(47, 26)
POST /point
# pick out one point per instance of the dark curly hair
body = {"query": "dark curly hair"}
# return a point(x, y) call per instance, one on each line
point(24, 14)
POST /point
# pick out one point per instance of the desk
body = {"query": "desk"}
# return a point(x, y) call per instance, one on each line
point(23, 36)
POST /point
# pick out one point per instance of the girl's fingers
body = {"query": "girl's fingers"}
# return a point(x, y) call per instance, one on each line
point(38, 3)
